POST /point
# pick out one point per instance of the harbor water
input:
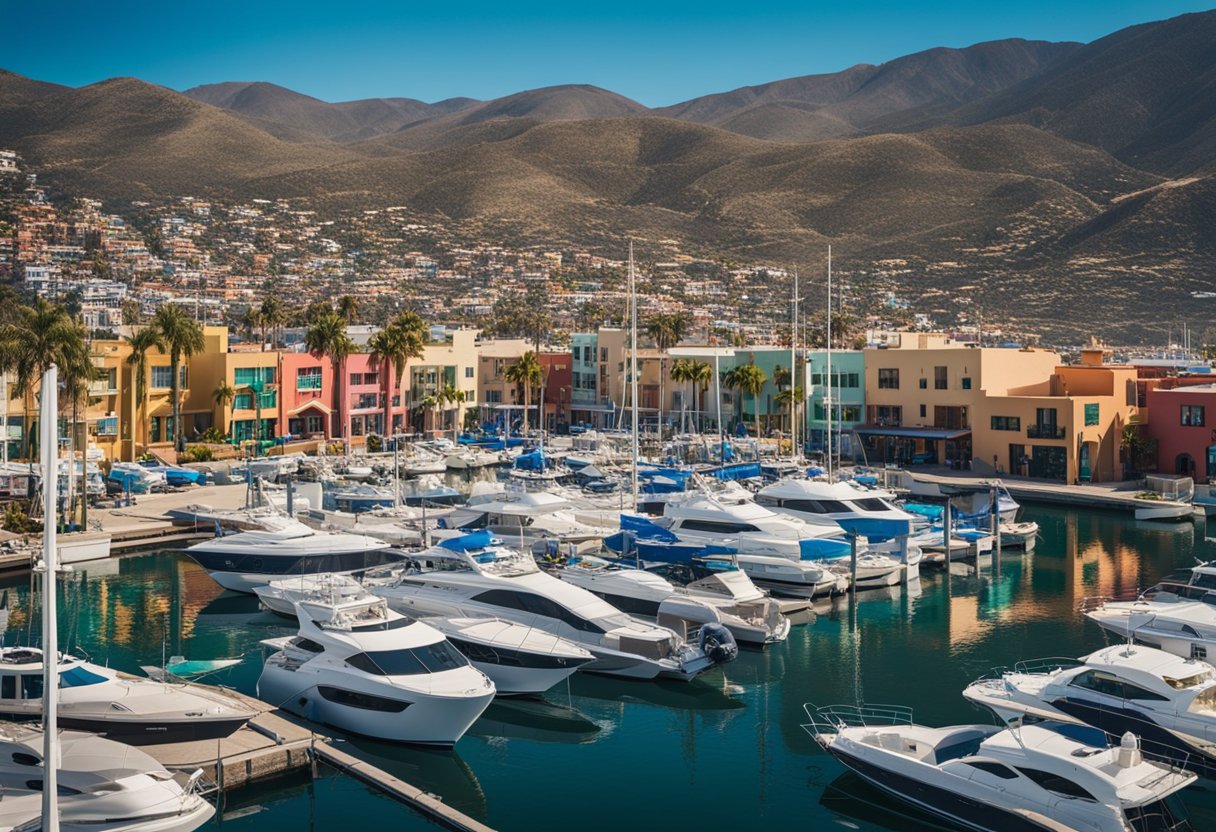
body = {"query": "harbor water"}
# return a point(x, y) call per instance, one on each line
point(725, 752)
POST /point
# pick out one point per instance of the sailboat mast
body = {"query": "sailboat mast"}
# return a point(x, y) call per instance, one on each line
point(827, 399)
point(50, 640)
point(793, 375)
point(633, 371)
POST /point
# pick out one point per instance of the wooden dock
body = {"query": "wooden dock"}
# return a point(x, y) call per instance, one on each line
point(424, 802)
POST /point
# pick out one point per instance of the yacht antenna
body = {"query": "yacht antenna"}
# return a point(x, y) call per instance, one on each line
point(633, 372)
point(50, 635)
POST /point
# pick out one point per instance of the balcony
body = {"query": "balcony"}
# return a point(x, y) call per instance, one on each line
point(1045, 432)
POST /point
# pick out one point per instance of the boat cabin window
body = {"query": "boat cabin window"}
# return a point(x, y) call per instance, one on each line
point(31, 686)
point(8, 687)
point(537, 605)
point(78, 677)
point(1056, 784)
point(1188, 681)
point(61, 790)
point(1001, 771)
point(433, 658)
point(1207, 580)
point(365, 701)
point(718, 527)
point(1109, 685)
point(872, 504)
point(23, 759)
point(307, 644)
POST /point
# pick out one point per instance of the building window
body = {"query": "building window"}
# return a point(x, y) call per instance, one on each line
point(887, 415)
point(162, 377)
point(603, 353)
point(468, 372)
point(308, 378)
point(923, 411)
point(939, 378)
point(107, 426)
point(924, 383)
point(1093, 417)
point(493, 397)
point(888, 378)
point(253, 376)
point(966, 382)
point(1007, 423)
point(315, 424)
point(1192, 415)
point(850, 413)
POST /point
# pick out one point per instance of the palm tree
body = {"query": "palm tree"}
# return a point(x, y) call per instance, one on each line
point(327, 337)
point(791, 396)
point(182, 337)
point(730, 380)
point(666, 330)
point(525, 373)
point(701, 374)
point(681, 373)
point(273, 315)
point(224, 395)
point(76, 374)
point(43, 334)
point(404, 338)
point(449, 395)
point(348, 308)
point(252, 322)
point(140, 343)
point(750, 380)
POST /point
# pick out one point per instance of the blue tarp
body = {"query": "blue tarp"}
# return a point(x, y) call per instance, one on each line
point(875, 528)
point(734, 471)
point(533, 461)
point(820, 548)
point(646, 529)
point(464, 543)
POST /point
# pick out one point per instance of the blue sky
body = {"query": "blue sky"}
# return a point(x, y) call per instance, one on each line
point(657, 52)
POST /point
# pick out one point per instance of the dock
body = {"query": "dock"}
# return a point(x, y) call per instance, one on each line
point(424, 802)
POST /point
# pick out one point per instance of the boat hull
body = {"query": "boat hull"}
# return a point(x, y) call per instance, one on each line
point(242, 573)
point(144, 732)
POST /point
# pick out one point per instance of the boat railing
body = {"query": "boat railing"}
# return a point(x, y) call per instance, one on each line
point(1047, 664)
point(1090, 603)
point(830, 719)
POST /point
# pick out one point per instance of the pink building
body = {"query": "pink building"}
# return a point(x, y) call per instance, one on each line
point(306, 400)
point(1183, 430)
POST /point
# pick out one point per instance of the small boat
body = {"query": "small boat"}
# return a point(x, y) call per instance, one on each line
point(471, 457)
point(128, 708)
point(1175, 624)
point(133, 477)
point(1046, 777)
point(362, 668)
point(1167, 701)
point(176, 475)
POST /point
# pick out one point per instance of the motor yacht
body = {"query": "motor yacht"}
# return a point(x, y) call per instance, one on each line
point(823, 503)
point(1184, 627)
point(471, 457)
point(526, 517)
point(715, 592)
point(1167, 701)
point(362, 668)
point(475, 575)
point(284, 547)
point(104, 786)
point(1046, 776)
point(123, 707)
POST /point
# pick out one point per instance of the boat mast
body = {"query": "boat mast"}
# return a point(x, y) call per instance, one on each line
point(793, 375)
point(50, 636)
point(827, 399)
point(633, 371)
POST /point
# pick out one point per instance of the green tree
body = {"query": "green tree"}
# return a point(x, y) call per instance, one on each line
point(391, 348)
point(702, 375)
point(274, 316)
point(223, 395)
point(450, 395)
point(665, 330)
point(749, 379)
point(141, 343)
point(348, 308)
point(1134, 446)
point(525, 373)
point(791, 396)
point(181, 336)
point(327, 337)
point(131, 312)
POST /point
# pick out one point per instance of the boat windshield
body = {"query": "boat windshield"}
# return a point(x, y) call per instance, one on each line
point(433, 658)
point(78, 677)
point(1205, 578)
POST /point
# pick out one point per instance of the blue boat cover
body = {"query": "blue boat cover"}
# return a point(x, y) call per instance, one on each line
point(876, 528)
point(823, 548)
point(924, 510)
point(646, 529)
point(533, 461)
point(466, 542)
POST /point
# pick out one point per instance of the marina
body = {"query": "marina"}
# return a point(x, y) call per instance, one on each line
point(945, 632)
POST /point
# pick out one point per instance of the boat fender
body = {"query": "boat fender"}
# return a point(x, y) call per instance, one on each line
point(718, 643)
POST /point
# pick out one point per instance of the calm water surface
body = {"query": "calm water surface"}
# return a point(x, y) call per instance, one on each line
point(725, 752)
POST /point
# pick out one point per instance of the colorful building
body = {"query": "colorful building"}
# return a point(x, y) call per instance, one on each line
point(1184, 436)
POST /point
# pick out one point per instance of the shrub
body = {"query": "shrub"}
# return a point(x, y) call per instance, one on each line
point(374, 443)
point(197, 453)
point(18, 522)
point(214, 435)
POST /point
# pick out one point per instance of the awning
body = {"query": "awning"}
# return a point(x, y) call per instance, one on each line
point(911, 432)
point(309, 405)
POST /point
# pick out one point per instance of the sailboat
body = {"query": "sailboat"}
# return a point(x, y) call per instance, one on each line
point(79, 781)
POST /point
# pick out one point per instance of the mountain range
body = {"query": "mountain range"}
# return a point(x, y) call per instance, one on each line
point(1031, 177)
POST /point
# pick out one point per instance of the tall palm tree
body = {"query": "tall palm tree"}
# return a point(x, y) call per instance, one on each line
point(42, 335)
point(253, 322)
point(681, 373)
point(525, 373)
point(327, 337)
point(224, 395)
point(76, 376)
point(404, 338)
point(451, 395)
point(701, 374)
point(348, 308)
point(749, 379)
point(666, 330)
point(182, 337)
point(141, 343)
point(791, 396)
point(274, 316)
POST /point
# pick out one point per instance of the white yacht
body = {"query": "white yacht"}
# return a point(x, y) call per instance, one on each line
point(362, 668)
point(475, 575)
point(471, 457)
point(1167, 701)
point(824, 503)
point(1180, 626)
point(525, 517)
point(104, 786)
point(127, 708)
point(285, 547)
point(1045, 777)
point(723, 595)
